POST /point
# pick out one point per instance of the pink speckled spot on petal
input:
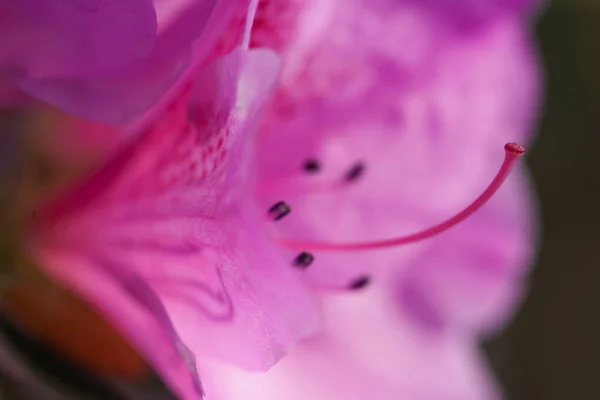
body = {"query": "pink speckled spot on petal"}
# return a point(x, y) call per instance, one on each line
point(234, 34)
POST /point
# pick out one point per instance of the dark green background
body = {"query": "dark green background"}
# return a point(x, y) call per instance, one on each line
point(552, 349)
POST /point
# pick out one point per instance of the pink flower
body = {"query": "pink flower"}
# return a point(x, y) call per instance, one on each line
point(165, 244)
point(111, 60)
point(388, 118)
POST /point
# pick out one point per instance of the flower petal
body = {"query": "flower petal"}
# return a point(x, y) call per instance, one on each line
point(428, 151)
point(171, 209)
point(365, 352)
point(76, 38)
point(97, 280)
point(472, 277)
point(124, 95)
point(472, 13)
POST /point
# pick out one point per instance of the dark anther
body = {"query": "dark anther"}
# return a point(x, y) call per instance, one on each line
point(311, 166)
point(360, 283)
point(279, 210)
point(303, 260)
point(355, 172)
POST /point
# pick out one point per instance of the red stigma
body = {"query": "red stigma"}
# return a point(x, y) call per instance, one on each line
point(515, 148)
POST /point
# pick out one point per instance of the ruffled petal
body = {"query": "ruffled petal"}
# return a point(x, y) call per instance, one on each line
point(365, 352)
point(171, 210)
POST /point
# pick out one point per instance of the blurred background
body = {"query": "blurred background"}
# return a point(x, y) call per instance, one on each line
point(551, 351)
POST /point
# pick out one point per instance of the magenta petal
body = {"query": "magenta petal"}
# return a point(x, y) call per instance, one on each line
point(472, 276)
point(124, 95)
point(260, 299)
point(257, 312)
point(116, 100)
point(172, 210)
point(49, 38)
point(428, 150)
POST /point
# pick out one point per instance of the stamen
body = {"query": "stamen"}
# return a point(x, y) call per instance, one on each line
point(360, 283)
point(311, 166)
point(356, 284)
point(513, 152)
point(303, 260)
point(279, 210)
point(355, 172)
point(289, 188)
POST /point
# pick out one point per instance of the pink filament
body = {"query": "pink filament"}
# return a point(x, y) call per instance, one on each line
point(513, 153)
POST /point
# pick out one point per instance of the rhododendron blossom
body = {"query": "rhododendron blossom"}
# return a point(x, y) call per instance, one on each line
point(161, 243)
point(360, 186)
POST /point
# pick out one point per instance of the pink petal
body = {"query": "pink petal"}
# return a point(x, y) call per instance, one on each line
point(475, 12)
point(124, 95)
point(473, 276)
point(171, 211)
point(365, 352)
point(71, 38)
point(137, 319)
point(429, 150)
point(354, 45)
point(485, 85)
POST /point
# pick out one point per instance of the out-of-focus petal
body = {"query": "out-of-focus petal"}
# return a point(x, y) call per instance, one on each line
point(47, 38)
point(472, 277)
point(428, 153)
point(171, 210)
point(483, 86)
point(366, 351)
point(131, 309)
point(349, 49)
point(122, 96)
point(474, 13)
